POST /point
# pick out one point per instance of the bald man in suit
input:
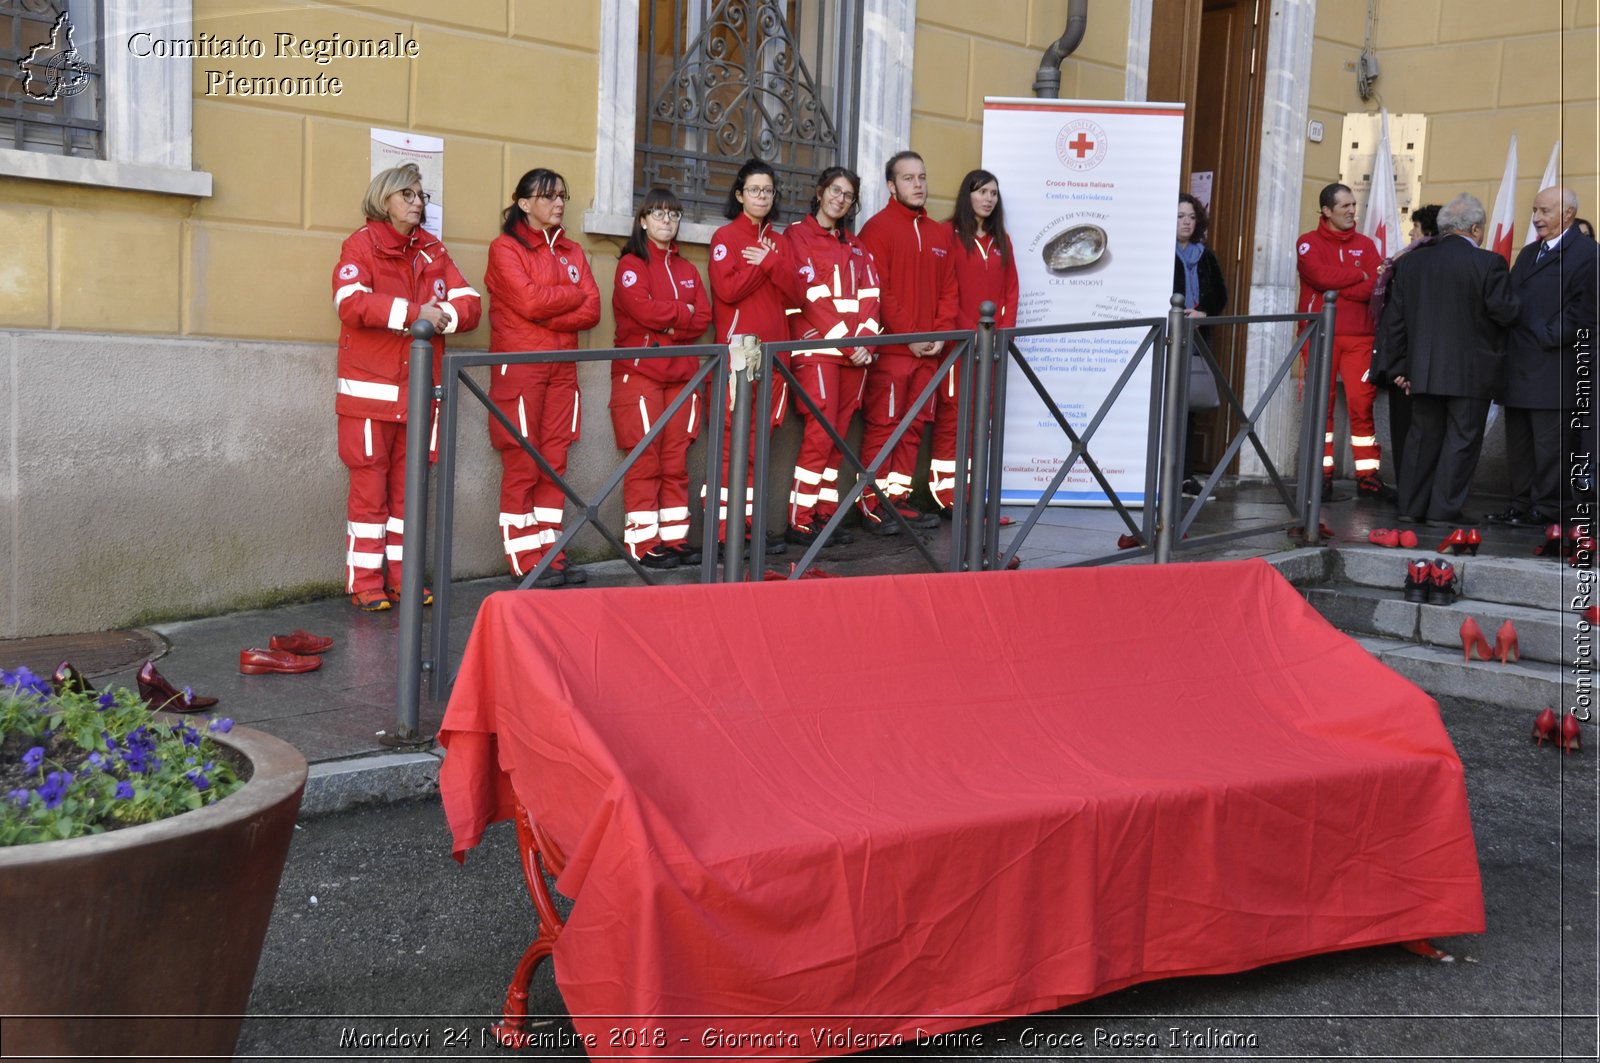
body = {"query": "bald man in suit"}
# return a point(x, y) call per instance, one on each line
point(1554, 280)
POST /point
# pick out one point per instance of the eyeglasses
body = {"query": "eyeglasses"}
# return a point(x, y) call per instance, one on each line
point(413, 196)
point(662, 214)
point(843, 194)
point(759, 191)
point(563, 196)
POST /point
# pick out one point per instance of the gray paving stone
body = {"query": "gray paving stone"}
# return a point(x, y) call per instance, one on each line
point(1301, 567)
point(1365, 609)
point(340, 785)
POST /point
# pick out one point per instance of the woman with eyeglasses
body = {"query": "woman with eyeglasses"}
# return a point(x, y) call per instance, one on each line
point(754, 285)
point(541, 295)
point(659, 300)
point(840, 303)
point(391, 274)
point(986, 269)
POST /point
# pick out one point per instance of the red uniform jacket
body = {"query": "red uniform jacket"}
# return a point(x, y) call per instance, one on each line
point(1348, 263)
point(912, 252)
point(750, 299)
point(840, 282)
point(540, 298)
point(380, 282)
point(982, 274)
point(648, 299)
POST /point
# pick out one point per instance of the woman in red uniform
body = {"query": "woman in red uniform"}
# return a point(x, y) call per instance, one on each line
point(391, 274)
point(840, 302)
point(541, 295)
point(659, 300)
point(986, 270)
point(754, 287)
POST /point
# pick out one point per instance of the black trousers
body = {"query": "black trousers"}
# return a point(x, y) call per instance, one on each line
point(1441, 454)
point(1534, 441)
point(1399, 425)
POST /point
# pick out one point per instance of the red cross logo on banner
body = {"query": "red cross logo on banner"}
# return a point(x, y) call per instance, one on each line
point(1080, 145)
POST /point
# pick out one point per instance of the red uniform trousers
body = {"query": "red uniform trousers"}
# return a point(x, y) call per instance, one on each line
point(375, 507)
point(836, 387)
point(547, 410)
point(893, 384)
point(780, 402)
point(1352, 360)
point(942, 461)
point(655, 489)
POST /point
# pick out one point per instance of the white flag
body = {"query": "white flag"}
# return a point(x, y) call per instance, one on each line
point(1382, 221)
point(1552, 176)
point(1502, 222)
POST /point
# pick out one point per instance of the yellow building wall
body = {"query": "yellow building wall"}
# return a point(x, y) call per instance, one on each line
point(1480, 70)
point(966, 51)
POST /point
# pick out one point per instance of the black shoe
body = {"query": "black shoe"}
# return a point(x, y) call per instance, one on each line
point(1538, 518)
point(1327, 489)
point(659, 558)
point(801, 534)
point(573, 576)
point(1443, 585)
point(1406, 518)
point(775, 545)
point(918, 518)
point(1419, 577)
point(1513, 515)
point(1191, 486)
point(554, 576)
point(1370, 486)
point(687, 555)
point(879, 525)
point(841, 537)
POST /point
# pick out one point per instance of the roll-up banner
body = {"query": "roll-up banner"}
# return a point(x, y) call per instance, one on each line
point(1090, 190)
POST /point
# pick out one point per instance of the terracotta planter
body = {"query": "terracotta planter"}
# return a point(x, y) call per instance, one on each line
point(143, 942)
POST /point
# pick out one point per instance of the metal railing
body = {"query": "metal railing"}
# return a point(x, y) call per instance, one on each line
point(749, 374)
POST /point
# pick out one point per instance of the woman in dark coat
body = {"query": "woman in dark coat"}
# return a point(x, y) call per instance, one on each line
point(1197, 276)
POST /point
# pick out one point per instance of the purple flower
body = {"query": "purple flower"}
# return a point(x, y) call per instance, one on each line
point(54, 788)
point(200, 781)
point(222, 726)
point(106, 700)
point(23, 681)
point(97, 760)
point(33, 758)
point(19, 797)
point(124, 791)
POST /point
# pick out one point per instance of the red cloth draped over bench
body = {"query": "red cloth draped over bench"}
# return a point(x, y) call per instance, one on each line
point(950, 795)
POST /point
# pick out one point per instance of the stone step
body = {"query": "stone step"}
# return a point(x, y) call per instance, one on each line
point(1542, 634)
point(1537, 582)
point(1525, 687)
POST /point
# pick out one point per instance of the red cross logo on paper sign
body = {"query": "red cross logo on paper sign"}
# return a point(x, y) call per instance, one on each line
point(1081, 145)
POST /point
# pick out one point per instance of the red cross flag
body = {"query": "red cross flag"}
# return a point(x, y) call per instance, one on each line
point(1382, 220)
point(1503, 219)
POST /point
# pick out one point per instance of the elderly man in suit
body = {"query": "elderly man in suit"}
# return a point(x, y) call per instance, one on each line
point(1554, 280)
point(1442, 342)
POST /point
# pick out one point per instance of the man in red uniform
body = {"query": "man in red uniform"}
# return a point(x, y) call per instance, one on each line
point(917, 294)
point(1335, 256)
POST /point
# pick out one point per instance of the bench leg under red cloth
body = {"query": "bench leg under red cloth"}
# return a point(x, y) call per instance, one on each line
point(537, 852)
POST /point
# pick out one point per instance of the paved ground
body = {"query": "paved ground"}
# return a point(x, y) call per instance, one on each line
point(378, 930)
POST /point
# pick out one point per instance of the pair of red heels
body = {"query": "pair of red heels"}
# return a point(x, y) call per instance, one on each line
point(1576, 541)
point(1568, 734)
point(1392, 537)
point(1473, 641)
point(1462, 541)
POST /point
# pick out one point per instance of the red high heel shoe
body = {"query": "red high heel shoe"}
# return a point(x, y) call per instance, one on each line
point(1408, 539)
point(68, 680)
point(1474, 540)
point(1455, 542)
point(1555, 542)
point(1505, 643)
point(1592, 614)
point(1582, 552)
point(1545, 726)
point(162, 696)
point(1571, 740)
point(1472, 639)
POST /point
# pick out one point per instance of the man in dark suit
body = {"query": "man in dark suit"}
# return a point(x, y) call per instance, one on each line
point(1554, 280)
point(1442, 342)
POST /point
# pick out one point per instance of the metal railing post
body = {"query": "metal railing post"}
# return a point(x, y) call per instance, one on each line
point(978, 460)
point(413, 550)
point(738, 461)
point(1321, 393)
point(1173, 414)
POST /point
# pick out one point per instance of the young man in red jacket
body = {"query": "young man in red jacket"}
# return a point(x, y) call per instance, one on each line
point(1335, 256)
point(917, 294)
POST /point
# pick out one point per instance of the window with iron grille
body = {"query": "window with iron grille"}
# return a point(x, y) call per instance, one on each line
point(51, 88)
point(720, 81)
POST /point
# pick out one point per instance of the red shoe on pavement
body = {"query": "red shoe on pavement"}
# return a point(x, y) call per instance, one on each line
point(261, 662)
point(301, 641)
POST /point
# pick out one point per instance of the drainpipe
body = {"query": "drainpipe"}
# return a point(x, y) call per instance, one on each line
point(1047, 83)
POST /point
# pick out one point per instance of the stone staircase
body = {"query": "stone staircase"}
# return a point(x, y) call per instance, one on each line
point(1359, 590)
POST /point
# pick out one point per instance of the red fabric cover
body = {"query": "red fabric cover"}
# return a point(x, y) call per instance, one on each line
point(1037, 787)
